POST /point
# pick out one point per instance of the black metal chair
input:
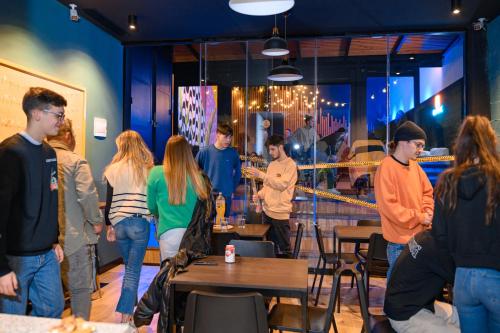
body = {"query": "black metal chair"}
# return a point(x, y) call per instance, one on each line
point(327, 258)
point(288, 317)
point(225, 313)
point(298, 240)
point(376, 263)
point(220, 240)
point(362, 251)
point(257, 249)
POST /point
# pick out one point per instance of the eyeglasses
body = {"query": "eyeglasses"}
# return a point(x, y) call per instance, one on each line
point(419, 145)
point(59, 115)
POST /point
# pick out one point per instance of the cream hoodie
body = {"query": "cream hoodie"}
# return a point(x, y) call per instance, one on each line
point(279, 185)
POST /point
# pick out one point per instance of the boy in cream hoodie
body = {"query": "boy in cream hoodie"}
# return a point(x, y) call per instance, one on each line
point(277, 193)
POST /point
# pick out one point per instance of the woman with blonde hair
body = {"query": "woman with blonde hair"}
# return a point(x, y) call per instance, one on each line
point(173, 190)
point(467, 212)
point(126, 211)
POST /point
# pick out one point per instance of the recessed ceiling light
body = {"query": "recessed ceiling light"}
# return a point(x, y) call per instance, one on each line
point(132, 22)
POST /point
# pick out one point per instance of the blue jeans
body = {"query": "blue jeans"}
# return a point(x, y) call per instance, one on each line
point(132, 236)
point(39, 279)
point(393, 252)
point(477, 298)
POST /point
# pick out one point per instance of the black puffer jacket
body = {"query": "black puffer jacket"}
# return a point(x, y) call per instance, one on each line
point(195, 244)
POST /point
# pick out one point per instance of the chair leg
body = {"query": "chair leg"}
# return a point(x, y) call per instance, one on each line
point(336, 291)
point(320, 283)
point(316, 273)
point(352, 281)
point(335, 330)
point(367, 289)
point(362, 302)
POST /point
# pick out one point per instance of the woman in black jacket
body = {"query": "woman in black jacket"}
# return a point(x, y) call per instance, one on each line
point(467, 207)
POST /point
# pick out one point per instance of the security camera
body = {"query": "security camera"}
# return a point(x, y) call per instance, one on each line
point(73, 14)
point(480, 24)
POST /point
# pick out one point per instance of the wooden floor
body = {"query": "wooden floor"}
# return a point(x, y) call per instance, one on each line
point(348, 320)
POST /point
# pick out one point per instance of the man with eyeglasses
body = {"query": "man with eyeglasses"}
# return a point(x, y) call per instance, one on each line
point(29, 250)
point(403, 192)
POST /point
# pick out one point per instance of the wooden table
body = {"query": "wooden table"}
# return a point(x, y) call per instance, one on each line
point(268, 276)
point(250, 231)
point(353, 234)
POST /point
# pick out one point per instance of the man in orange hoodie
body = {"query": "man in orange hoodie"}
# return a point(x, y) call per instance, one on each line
point(403, 192)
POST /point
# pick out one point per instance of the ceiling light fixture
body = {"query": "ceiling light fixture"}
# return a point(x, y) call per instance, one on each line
point(456, 7)
point(132, 22)
point(285, 73)
point(261, 7)
point(276, 46)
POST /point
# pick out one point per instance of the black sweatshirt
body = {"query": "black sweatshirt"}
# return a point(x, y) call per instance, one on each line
point(28, 199)
point(418, 277)
point(471, 242)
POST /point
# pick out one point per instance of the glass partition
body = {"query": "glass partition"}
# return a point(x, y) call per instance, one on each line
point(337, 121)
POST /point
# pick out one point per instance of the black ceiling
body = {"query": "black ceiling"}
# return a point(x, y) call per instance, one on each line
point(194, 20)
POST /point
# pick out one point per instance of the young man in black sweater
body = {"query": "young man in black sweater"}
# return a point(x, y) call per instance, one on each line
point(417, 280)
point(29, 249)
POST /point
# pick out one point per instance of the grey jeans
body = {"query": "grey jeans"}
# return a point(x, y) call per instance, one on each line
point(76, 270)
point(443, 320)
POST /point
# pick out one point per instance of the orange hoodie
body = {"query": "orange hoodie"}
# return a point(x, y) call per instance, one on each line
point(403, 194)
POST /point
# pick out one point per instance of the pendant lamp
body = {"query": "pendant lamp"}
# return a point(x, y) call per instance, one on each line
point(285, 73)
point(275, 46)
point(261, 7)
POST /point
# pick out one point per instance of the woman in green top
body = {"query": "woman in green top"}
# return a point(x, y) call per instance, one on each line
point(172, 191)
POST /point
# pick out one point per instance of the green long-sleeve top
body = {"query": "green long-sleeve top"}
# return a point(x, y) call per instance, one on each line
point(170, 216)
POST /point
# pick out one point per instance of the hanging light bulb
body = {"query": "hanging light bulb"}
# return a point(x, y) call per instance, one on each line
point(261, 7)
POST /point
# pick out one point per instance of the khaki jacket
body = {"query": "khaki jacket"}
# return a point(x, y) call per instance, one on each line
point(78, 200)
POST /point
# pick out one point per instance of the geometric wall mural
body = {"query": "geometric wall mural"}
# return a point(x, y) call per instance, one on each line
point(197, 114)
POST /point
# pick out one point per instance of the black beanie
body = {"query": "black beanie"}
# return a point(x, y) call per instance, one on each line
point(409, 131)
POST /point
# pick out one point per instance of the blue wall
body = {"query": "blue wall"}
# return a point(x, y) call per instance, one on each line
point(38, 35)
point(494, 71)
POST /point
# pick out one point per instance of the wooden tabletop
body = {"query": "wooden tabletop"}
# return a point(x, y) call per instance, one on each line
point(355, 233)
point(249, 231)
point(248, 273)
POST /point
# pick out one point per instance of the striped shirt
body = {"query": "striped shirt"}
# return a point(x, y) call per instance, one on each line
point(128, 199)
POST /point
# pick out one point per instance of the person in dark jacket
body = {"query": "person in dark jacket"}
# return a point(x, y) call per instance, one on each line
point(30, 253)
point(195, 244)
point(418, 277)
point(468, 212)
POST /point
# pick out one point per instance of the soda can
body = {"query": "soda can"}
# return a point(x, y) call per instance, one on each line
point(230, 257)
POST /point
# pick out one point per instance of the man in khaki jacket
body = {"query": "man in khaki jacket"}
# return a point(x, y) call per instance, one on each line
point(80, 220)
point(277, 193)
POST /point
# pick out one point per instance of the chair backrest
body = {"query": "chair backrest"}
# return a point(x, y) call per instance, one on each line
point(376, 259)
point(225, 313)
point(258, 249)
point(368, 223)
point(298, 240)
point(319, 240)
point(220, 240)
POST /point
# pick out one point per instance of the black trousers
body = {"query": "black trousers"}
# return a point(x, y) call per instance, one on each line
point(280, 234)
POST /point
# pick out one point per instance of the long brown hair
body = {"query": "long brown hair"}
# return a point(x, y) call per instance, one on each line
point(475, 146)
point(133, 149)
point(178, 165)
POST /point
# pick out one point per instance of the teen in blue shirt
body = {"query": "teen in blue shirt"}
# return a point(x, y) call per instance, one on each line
point(221, 163)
